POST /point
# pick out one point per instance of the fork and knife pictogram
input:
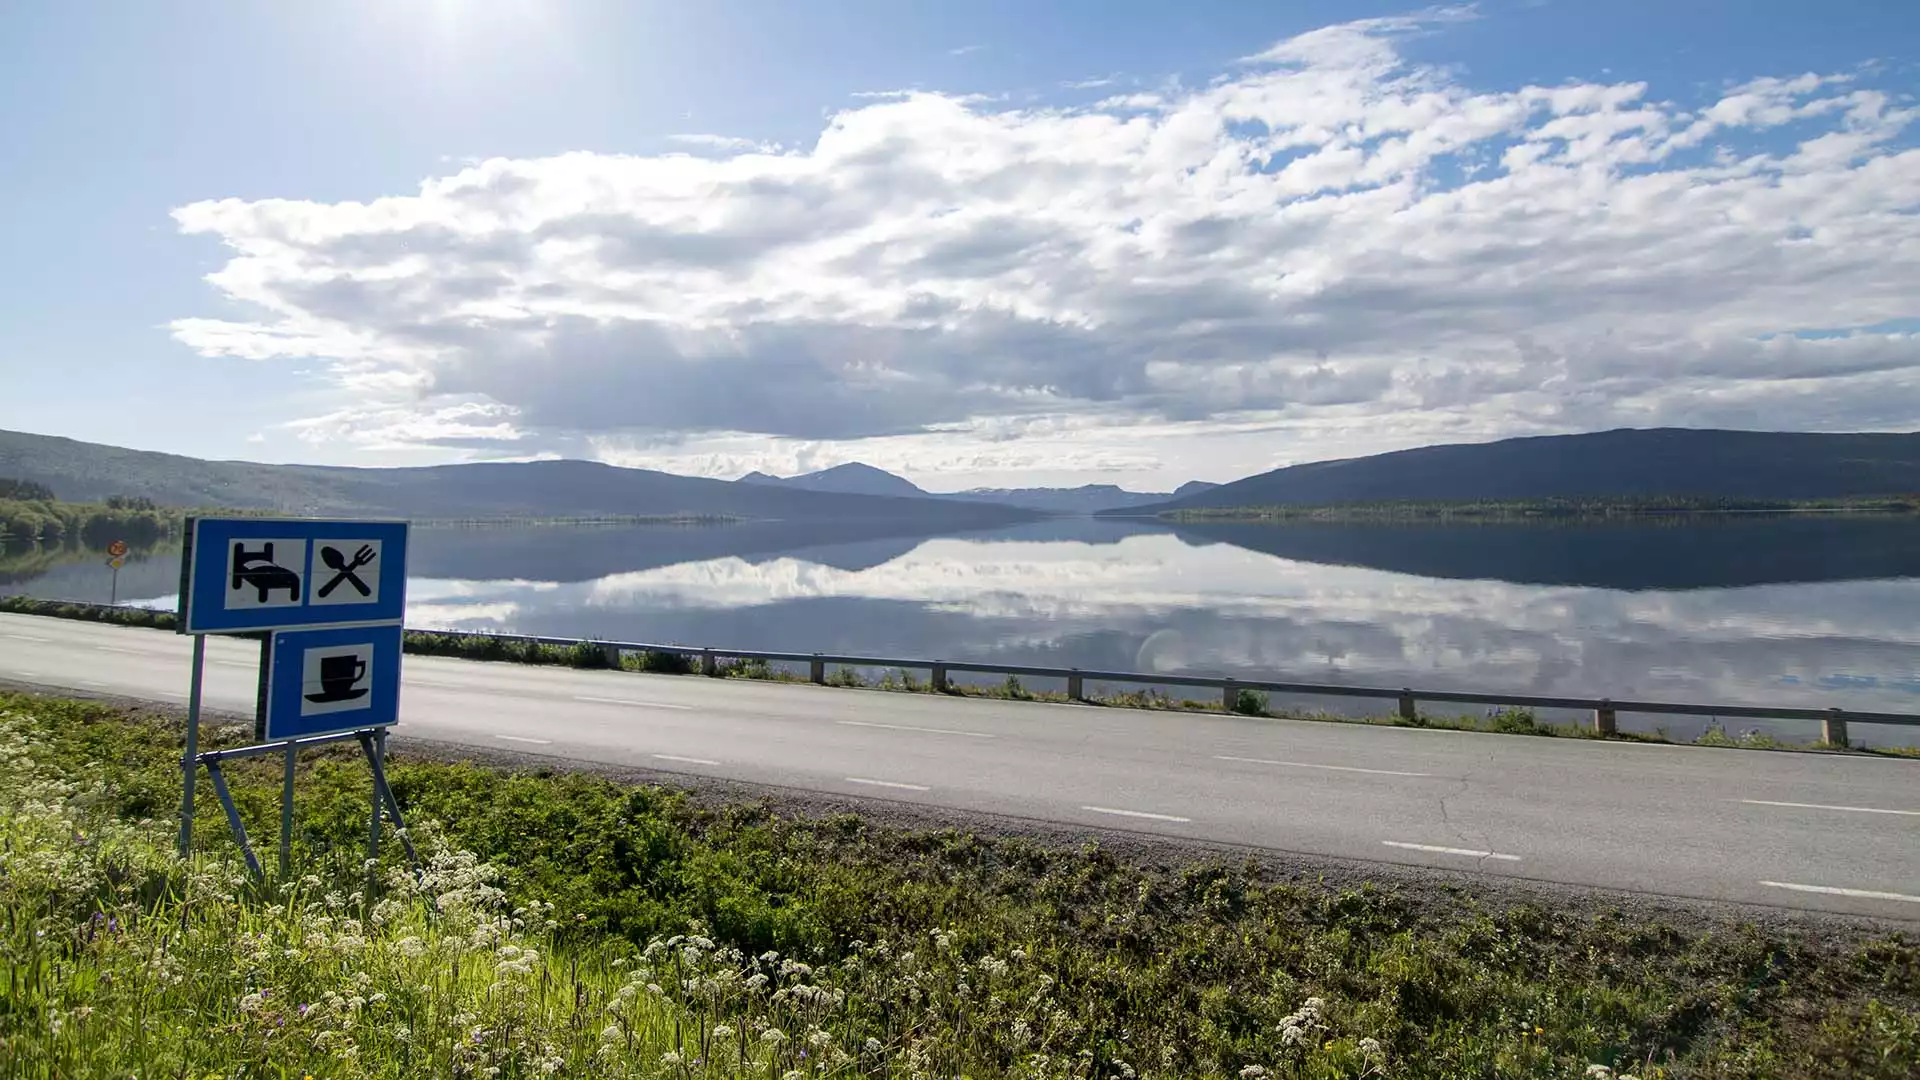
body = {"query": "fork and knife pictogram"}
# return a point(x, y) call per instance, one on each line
point(343, 570)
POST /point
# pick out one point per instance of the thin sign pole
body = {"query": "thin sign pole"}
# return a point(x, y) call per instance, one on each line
point(189, 767)
point(113, 591)
point(286, 816)
point(373, 837)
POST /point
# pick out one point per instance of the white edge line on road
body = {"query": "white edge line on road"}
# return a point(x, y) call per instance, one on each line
point(28, 674)
point(928, 730)
point(888, 784)
point(1822, 806)
point(118, 649)
point(1470, 853)
point(688, 760)
point(1134, 813)
point(630, 701)
point(237, 663)
point(1829, 890)
point(1310, 765)
point(26, 637)
point(523, 738)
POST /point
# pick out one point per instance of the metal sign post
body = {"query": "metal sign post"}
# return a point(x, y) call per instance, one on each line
point(329, 597)
point(116, 558)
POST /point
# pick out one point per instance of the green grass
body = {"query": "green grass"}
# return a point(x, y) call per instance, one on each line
point(572, 926)
point(592, 655)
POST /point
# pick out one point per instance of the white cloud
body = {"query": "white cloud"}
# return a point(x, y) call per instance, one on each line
point(1332, 248)
point(732, 144)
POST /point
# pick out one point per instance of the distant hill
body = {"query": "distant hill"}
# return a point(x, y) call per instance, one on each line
point(80, 471)
point(1624, 463)
point(853, 478)
point(857, 478)
point(1193, 487)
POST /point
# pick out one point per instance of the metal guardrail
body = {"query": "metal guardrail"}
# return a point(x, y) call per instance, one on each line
point(1605, 710)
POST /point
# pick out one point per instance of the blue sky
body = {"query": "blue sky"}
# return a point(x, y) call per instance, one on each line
point(117, 115)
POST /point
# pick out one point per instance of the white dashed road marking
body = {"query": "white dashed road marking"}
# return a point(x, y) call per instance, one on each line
point(630, 701)
point(1134, 813)
point(1310, 765)
point(888, 784)
point(1821, 806)
point(927, 730)
point(1829, 890)
point(26, 637)
point(523, 738)
point(688, 760)
point(1470, 853)
point(118, 649)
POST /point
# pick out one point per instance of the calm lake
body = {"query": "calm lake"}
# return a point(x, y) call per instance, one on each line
point(1803, 610)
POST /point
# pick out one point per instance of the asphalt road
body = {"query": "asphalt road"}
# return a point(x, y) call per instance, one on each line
point(1814, 831)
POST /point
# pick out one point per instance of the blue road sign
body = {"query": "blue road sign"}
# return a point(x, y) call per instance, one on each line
point(325, 681)
point(241, 574)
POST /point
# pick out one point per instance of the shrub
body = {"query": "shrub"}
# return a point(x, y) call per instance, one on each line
point(1250, 703)
point(664, 663)
point(1516, 722)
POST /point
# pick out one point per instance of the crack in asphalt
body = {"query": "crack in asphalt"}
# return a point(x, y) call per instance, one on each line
point(1460, 833)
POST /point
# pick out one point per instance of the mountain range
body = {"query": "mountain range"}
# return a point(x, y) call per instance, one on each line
point(1624, 463)
point(85, 472)
point(856, 478)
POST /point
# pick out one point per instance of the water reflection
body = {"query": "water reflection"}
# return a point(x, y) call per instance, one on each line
point(1801, 611)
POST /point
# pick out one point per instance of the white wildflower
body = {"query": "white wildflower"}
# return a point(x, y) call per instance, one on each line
point(1252, 1072)
point(722, 1031)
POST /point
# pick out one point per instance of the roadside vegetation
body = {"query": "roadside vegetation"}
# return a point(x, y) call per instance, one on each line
point(565, 925)
point(596, 656)
point(1512, 510)
point(29, 514)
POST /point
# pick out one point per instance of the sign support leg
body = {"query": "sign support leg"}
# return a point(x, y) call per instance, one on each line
point(376, 750)
point(189, 761)
point(372, 745)
point(233, 817)
point(286, 816)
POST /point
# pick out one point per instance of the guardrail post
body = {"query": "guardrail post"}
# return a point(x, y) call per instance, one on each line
point(1409, 710)
point(1604, 720)
point(1076, 690)
point(1835, 728)
point(1229, 695)
point(937, 676)
point(709, 665)
point(613, 656)
point(817, 670)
